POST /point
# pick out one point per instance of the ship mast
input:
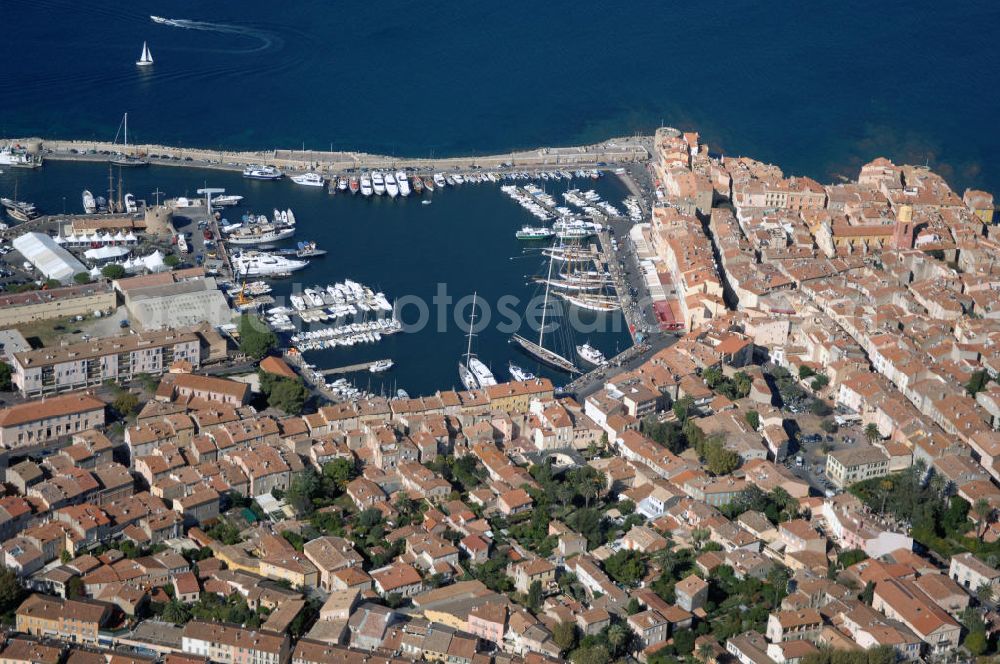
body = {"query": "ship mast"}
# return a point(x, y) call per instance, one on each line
point(545, 303)
point(472, 321)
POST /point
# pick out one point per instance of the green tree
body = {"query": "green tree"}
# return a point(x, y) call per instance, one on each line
point(65, 556)
point(256, 339)
point(75, 588)
point(976, 643)
point(872, 434)
point(977, 382)
point(113, 271)
point(534, 598)
point(125, 404)
point(11, 591)
point(176, 612)
point(597, 654)
point(753, 419)
point(819, 382)
point(340, 471)
point(682, 408)
point(81, 278)
point(805, 372)
point(564, 635)
point(820, 408)
point(301, 491)
point(619, 637)
point(984, 593)
point(984, 512)
point(5, 373)
point(626, 567)
point(171, 260)
point(288, 395)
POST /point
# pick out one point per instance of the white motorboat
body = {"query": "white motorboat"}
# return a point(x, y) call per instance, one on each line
point(89, 202)
point(517, 373)
point(378, 183)
point(366, 186)
point(380, 366)
point(391, 186)
point(262, 173)
point(262, 264)
point(309, 179)
point(591, 354)
point(226, 201)
point(439, 180)
point(404, 183)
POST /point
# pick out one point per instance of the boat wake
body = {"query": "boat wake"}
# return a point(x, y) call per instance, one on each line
point(266, 39)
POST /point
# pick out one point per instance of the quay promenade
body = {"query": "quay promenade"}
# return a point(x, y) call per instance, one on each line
point(613, 151)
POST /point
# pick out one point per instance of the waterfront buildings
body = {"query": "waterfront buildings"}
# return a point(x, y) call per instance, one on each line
point(90, 363)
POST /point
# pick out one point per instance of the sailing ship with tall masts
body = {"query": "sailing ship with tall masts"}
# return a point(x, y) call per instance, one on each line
point(124, 158)
point(538, 350)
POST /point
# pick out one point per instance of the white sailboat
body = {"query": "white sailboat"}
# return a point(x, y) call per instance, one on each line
point(146, 58)
point(472, 372)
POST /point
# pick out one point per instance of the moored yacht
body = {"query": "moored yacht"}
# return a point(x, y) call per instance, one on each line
point(534, 233)
point(262, 173)
point(378, 182)
point(260, 264)
point(391, 186)
point(309, 179)
point(482, 372)
point(517, 373)
point(89, 203)
point(590, 354)
point(439, 180)
point(226, 200)
point(366, 185)
point(341, 183)
point(404, 183)
point(354, 185)
point(429, 184)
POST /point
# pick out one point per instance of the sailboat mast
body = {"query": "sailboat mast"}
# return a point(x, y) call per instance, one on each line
point(126, 132)
point(472, 320)
point(545, 303)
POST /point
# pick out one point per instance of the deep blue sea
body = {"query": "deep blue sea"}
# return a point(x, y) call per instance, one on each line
point(819, 88)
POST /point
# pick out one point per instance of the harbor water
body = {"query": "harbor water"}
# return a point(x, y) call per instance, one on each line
point(462, 242)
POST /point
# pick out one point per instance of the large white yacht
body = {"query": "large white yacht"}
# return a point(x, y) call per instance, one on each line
point(391, 186)
point(262, 173)
point(404, 183)
point(378, 182)
point(262, 264)
point(309, 179)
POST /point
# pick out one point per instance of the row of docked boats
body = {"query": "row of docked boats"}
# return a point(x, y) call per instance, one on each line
point(350, 334)
point(344, 298)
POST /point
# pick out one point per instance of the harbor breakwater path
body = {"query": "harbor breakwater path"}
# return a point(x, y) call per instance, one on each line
point(612, 151)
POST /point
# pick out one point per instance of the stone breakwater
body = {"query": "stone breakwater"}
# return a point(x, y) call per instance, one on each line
point(612, 151)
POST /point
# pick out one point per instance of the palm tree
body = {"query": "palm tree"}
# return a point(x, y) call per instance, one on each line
point(872, 433)
point(984, 593)
point(983, 511)
point(705, 652)
point(618, 637)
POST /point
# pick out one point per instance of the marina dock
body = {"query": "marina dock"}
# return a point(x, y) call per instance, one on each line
point(351, 368)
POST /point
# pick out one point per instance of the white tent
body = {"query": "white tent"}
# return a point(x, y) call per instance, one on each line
point(48, 257)
point(105, 253)
point(154, 262)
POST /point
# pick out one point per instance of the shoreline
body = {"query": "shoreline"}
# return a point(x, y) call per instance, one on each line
point(627, 150)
